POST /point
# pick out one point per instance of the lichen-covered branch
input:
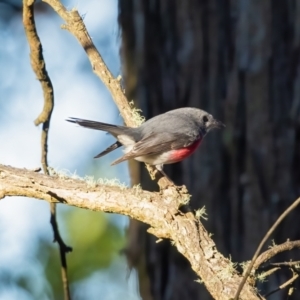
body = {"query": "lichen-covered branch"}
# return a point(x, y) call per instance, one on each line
point(158, 209)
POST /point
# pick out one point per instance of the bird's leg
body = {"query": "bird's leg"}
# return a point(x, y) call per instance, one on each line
point(160, 169)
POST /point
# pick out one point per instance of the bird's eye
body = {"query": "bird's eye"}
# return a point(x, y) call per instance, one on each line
point(205, 119)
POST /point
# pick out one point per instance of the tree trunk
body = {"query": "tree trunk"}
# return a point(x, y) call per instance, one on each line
point(239, 60)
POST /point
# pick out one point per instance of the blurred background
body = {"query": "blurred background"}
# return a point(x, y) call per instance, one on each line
point(237, 59)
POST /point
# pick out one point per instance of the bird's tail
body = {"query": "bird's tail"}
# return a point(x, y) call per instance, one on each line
point(114, 130)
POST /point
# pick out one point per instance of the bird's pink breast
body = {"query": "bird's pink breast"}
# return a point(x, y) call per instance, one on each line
point(180, 154)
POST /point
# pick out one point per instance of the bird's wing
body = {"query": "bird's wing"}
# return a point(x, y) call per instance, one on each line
point(114, 146)
point(155, 144)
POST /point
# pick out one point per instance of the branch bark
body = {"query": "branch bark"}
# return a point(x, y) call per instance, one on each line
point(267, 255)
point(158, 209)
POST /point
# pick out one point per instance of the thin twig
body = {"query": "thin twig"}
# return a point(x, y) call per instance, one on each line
point(63, 250)
point(39, 67)
point(281, 287)
point(270, 271)
point(268, 234)
point(267, 255)
point(286, 264)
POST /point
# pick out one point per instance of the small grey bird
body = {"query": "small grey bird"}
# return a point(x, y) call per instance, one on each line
point(164, 139)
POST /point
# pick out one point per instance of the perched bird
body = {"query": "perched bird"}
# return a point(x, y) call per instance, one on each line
point(164, 139)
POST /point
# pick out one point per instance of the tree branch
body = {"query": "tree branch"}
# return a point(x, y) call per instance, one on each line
point(75, 25)
point(284, 285)
point(158, 209)
point(39, 67)
point(37, 61)
point(286, 263)
point(267, 255)
point(267, 235)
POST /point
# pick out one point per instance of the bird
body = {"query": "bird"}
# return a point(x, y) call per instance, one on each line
point(164, 139)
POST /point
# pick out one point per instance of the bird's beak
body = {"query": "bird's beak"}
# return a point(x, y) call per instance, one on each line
point(216, 124)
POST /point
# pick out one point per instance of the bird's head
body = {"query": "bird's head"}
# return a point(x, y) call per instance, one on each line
point(208, 122)
point(205, 121)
